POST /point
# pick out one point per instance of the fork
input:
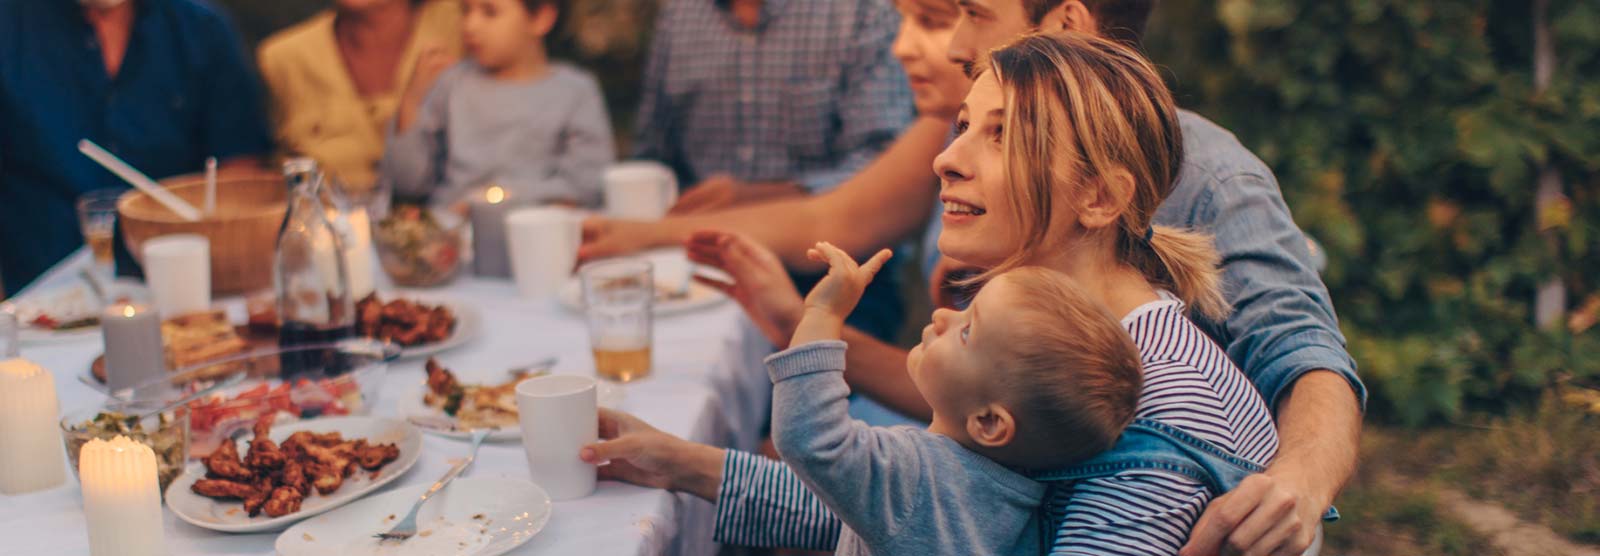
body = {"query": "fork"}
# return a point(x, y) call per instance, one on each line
point(407, 527)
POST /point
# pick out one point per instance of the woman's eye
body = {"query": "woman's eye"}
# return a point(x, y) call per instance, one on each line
point(997, 134)
point(966, 331)
point(961, 127)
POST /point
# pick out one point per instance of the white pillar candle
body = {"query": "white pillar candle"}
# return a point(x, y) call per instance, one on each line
point(31, 456)
point(121, 501)
point(358, 252)
point(134, 354)
point(177, 268)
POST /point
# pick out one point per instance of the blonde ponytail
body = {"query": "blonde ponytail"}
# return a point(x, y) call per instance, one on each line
point(1184, 262)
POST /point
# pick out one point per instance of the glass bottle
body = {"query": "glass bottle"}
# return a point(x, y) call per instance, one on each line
point(311, 277)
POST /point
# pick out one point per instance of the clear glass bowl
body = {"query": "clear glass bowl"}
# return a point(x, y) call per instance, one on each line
point(419, 247)
point(167, 433)
point(232, 393)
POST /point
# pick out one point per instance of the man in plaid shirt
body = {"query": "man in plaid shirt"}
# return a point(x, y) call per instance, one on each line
point(758, 99)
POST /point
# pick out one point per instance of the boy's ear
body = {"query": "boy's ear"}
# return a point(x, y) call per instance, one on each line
point(992, 426)
point(544, 19)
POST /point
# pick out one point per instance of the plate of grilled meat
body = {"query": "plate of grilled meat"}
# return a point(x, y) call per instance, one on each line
point(287, 473)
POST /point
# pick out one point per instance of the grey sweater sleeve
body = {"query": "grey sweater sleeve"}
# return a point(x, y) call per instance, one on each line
point(869, 476)
point(586, 146)
point(413, 160)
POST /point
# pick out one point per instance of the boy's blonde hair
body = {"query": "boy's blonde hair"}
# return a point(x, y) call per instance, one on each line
point(1078, 108)
point(1071, 374)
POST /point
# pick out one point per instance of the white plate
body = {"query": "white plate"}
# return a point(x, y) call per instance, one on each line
point(470, 517)
point(468, 322)
point(434, 421)
point(229, 516)
point(69, 302)
point(700, 297)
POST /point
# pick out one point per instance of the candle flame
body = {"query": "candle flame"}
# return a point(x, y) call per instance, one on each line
point(127, 311)
point(495, 195)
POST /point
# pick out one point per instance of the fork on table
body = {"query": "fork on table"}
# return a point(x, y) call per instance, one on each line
point(407, 527)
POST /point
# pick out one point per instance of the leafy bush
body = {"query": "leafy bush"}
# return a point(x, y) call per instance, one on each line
point(1409, 139)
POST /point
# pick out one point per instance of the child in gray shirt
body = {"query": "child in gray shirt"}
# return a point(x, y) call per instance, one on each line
point(1031, 362)
point(507, 116)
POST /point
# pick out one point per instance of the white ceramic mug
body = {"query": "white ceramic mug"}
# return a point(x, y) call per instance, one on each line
point(177, 268)
point(640, 190)
point(543, 244)
point(559, 415)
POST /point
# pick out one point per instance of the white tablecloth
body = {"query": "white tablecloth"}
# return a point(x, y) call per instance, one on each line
point(708, 386)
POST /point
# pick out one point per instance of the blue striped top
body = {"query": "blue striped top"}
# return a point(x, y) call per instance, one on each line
point(1189, 384)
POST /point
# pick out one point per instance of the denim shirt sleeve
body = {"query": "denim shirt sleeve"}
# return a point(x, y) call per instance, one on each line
point(1283, 323)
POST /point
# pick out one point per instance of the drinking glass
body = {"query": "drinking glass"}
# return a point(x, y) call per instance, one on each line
point(97, 218)
point(618, 296)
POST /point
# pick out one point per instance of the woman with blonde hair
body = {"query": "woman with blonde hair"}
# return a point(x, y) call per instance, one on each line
point(1066, 146)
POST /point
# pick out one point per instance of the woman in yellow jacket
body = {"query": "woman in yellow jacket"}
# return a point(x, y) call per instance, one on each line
point(336, 78)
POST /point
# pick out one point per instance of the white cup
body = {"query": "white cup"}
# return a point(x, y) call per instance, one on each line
point(177, 268)
point(559, 416)
point(543, 243)
point(640, 190)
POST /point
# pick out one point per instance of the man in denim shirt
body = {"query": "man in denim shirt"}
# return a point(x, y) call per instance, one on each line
point(1283, 332)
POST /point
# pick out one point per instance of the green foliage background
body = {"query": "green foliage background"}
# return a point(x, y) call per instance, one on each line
point(1408, 139)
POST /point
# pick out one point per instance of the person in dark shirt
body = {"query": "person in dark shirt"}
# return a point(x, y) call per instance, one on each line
point(162, 84)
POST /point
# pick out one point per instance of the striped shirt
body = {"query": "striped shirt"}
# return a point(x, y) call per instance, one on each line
point(811, 94)
point(1189, 384)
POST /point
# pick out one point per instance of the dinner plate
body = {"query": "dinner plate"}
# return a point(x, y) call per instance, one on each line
point(470, 517)
point(68, 302)
point(435, 421)
point(468, 322)
point(229, 516)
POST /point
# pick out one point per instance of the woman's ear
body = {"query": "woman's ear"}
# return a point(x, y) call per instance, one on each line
point(1104, 202)
point(992, 426)
point(1071, 15)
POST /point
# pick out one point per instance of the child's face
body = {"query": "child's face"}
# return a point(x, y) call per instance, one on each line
point(954, 365)
point(937, 84)
point(499, 33)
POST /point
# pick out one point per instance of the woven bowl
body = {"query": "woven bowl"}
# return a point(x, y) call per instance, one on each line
point(243, 232)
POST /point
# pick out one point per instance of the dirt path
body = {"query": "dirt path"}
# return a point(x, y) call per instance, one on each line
point(1506, 531)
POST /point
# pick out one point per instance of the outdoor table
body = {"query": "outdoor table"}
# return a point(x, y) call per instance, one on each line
point(708, 385)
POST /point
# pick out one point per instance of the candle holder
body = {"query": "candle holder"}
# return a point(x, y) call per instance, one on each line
point(488, 210)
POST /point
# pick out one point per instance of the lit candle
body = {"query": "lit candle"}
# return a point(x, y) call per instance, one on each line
point(489, 233)
point(121, 499)
point(30, 443)
point(134, 354)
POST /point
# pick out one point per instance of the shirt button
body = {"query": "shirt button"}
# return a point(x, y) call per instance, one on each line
point(747, 152)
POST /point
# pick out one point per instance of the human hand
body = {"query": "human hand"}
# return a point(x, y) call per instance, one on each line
point(1264, 515)
point(431, 63)
point(942, 287)
point(838, 292)
point(760, 284)
point(716, 192)
point(639, 454)
point(605, 237)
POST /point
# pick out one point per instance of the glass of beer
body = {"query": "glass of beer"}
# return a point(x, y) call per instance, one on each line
point(617, 297)
point(97, 218)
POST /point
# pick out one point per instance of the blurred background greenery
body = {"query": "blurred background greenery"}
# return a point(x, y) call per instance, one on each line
point(1410, 139)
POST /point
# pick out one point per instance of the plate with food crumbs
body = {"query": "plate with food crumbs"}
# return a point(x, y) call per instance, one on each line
point(470, 517)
